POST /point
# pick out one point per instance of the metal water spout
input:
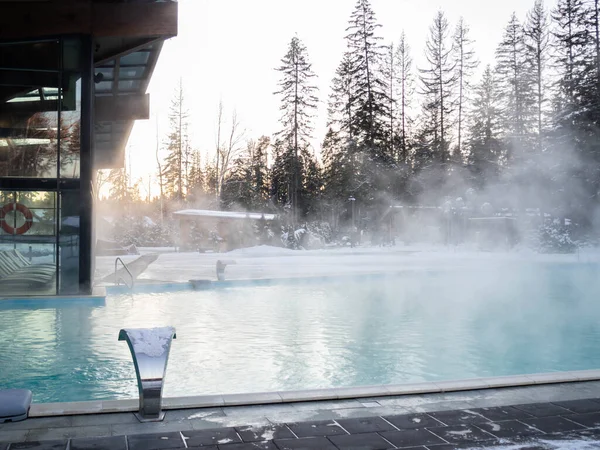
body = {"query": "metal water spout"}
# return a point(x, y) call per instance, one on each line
point(150, 352)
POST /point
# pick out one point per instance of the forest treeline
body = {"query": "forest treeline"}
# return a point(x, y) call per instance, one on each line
point(520, 133)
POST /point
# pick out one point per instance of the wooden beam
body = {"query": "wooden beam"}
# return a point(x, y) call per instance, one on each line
point(26, 78)
point(29, 20)
point(41, 19)
point(113, 108)
point(134, 19)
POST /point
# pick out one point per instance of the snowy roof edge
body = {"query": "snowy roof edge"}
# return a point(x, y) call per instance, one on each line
point(223, 214)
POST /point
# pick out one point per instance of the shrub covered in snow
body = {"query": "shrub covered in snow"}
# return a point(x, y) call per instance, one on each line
point(553, 236)
point(321, 231)
point(138, 231)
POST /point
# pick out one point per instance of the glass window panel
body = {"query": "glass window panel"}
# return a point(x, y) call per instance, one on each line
point(69, 242)
point(104, 86)
point(131, 72)
point(107, 72)
point(28, 231)
point(70, 131)
point(129, 85)
point(28, 134)
point(135, 59)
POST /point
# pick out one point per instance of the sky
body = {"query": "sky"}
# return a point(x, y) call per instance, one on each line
point(227, 50)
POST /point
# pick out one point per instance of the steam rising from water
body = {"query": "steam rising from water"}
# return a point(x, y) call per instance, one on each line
point(470, 321)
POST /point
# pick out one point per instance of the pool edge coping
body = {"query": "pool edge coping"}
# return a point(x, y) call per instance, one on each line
point(307, 395)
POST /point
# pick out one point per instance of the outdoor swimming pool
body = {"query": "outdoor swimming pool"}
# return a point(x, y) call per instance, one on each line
point(418, 326)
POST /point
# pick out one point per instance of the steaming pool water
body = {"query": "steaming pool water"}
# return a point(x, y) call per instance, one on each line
point(417, 326)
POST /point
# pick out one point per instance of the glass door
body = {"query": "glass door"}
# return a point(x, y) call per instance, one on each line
point(28, 243)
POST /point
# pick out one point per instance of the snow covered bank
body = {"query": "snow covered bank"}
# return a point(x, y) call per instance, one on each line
point(271, 262)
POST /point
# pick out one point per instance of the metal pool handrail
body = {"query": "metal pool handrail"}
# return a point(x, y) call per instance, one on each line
point(150, 349)
point(221, 265)
point(117, 279)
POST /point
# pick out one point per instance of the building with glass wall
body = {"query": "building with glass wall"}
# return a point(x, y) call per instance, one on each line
point(73, 79)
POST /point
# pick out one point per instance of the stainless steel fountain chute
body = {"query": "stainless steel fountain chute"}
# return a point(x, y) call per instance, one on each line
point(150, 351)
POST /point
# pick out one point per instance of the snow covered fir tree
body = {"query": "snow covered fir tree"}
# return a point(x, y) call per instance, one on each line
point(516, 140)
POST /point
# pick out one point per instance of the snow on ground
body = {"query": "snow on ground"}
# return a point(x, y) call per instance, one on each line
point(574, 444)
point(273, 262)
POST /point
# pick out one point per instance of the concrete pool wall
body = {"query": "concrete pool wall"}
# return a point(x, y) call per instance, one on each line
point(358, 392)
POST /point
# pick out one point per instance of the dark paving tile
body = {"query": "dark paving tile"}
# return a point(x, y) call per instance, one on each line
point(458, 417)
point(542, 409)
point(508, 429)
point(412, 421)
point(155, 441)
point(3, 446)
point(41, 445)
point(462, 433)
point(553, 424)
point(269, 432)
point(316, 443)
point(316, 428)
point(408, 438)
point(365, 425)
point(580, 406)
point(204, 447)
point(220, 436)
point(107, 443)
point(502, 413)
point(364, 441)
point(591, 420)
point(265, 445)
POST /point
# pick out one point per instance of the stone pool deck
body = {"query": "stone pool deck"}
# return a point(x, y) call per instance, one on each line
point(565, 415)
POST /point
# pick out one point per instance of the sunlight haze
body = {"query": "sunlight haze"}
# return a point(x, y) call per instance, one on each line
point(227, 50)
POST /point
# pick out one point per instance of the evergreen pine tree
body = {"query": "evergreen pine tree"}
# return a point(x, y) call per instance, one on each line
point(339, 148)
point(370, 99)
point(439, 82)
point(236, 189)
point(281, 186)
point(405, 90)
point(119, 186)
point(390, 75)
point(537, 49)
point(338, 173)
point(195, 177)
point(313, 184)
point(516, 91)
point(465, 64)
point(260, 173)
point(484, 143)
point(174, 165)
point(298, 103)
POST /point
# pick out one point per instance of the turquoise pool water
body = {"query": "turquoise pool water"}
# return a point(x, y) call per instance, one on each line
point(419, 326)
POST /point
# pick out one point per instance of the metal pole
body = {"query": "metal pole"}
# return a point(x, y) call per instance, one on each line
point(353, 234)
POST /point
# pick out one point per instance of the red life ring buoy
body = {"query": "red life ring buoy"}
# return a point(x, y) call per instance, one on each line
point(23, 210)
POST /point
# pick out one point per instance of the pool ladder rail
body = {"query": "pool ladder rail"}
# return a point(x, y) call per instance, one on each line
point(118, 278)
point(221, 265)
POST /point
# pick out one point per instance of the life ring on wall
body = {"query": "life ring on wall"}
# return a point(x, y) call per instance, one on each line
point(23, 210)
